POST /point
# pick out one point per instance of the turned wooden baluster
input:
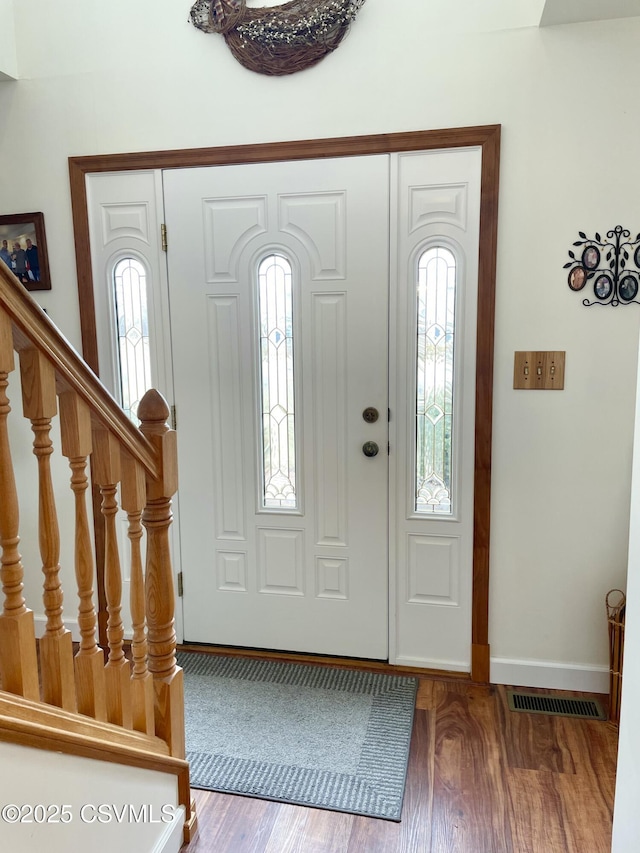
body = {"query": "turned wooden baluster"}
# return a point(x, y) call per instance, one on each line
point(106, 470)
point(18, 658)
point(75, 426)
point(167, 676)
point(133, 496)
point(56, 652)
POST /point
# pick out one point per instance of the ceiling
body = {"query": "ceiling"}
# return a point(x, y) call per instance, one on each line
point(470, 16)
point(573, 11)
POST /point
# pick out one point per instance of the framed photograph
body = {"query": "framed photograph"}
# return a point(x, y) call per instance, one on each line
point(603, 286)
point(23, 248)
point(591, 257)
point(628, 288)
point(577, 278)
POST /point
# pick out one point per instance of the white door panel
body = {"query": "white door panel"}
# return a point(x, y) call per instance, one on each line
point(437, 198)
point(125, 211)
point(314, 577)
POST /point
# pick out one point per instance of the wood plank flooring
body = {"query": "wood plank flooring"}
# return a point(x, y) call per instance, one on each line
point(481, 779)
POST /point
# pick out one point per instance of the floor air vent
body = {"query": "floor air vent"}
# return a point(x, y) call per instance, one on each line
point(539, 703)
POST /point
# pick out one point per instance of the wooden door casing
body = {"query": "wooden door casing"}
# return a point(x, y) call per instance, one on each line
point(488, 139)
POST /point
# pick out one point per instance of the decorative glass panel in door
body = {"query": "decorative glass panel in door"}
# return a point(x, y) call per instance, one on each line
point(435, 380)
point(277, 383)
point(132, 323)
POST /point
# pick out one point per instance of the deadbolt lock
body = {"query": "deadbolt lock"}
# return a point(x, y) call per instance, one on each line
point(370, 415)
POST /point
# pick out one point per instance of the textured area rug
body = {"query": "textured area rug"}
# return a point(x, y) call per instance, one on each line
point(311, 735)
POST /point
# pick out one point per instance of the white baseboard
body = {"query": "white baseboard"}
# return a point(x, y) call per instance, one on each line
point(171, 839)
point(40, 625)
point(551, 675)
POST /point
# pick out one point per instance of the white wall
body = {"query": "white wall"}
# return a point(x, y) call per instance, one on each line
point(137, 76)
point(626, 817)
point(8, 55)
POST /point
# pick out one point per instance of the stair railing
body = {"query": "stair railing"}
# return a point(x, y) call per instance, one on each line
point(142, 692)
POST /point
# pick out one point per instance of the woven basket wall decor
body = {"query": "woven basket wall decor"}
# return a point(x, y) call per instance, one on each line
point(279, 39)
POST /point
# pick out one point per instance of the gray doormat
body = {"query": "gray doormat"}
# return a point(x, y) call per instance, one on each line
point(317, 736)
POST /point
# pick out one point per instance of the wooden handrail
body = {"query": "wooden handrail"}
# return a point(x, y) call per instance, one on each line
point(33, 328)
point(47, 716)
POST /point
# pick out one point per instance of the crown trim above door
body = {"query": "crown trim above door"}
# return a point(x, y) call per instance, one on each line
point(487, 138)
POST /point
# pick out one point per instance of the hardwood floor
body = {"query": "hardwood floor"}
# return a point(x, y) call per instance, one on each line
point(481, 779)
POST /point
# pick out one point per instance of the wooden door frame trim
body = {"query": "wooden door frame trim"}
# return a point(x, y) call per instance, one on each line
point(487, 138)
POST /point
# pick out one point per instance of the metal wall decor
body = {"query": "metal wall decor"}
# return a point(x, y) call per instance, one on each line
point(280, 39)
point(612, 266)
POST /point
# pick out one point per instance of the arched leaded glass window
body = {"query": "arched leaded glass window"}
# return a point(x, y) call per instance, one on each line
point(132, 323)
point(436, 294)
point(275, 289)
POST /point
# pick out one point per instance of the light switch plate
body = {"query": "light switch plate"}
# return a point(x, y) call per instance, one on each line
point(539, 370)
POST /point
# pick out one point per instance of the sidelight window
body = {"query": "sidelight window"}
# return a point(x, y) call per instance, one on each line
point(275, 290)
point(436, 293)
point(132, 323)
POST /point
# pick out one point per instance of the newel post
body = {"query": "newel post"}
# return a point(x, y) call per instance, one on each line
point(153, 412)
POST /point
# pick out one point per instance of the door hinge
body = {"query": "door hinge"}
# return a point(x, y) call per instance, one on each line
point(174, 419)
point(180, 586)
point(163, 236)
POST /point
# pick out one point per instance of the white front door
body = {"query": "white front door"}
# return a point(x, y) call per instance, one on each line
point(278, 287)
